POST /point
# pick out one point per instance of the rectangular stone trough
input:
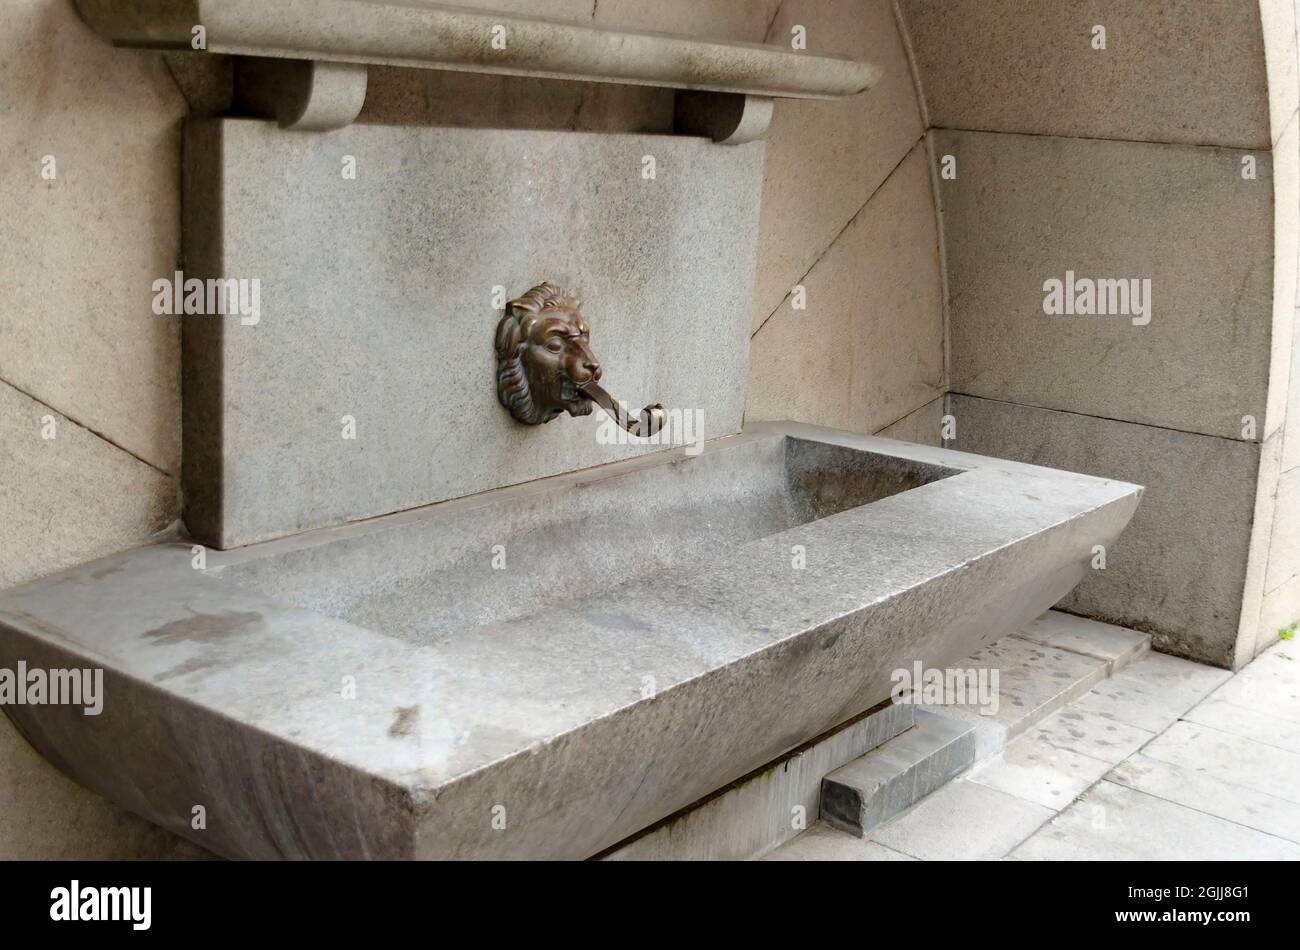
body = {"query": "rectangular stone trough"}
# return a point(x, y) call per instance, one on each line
point(542, 670)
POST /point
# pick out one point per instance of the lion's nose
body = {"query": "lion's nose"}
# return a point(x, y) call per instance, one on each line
point(592, 368)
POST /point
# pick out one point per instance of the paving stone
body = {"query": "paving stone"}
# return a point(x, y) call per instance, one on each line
point(889, 779)
point(1218, 713)
point(963, 821)
point(1230, 758)
point(1271, 684)
point(1209, 794)
point(1116, 645)
point(1152, 692)
point(1115, 823)
point(821, 842)
point(1033, 681)
point(1037, 771)
point(1090, 734)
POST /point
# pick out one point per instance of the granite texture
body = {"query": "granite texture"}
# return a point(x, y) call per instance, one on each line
point(826, 159)
point(79, 251)
point(1178, 71)
point(1161, 579)
point(376, 298)
point(476, 40)
point(829, 364)
point(309, 734)
point(757, 813)
point(1181, 217)
point(875, 787)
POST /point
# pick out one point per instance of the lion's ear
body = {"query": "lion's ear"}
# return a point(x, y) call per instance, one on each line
point(509, 337)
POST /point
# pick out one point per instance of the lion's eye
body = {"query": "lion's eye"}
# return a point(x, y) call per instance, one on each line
point(555, 344)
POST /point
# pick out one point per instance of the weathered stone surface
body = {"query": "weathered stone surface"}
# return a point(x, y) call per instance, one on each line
point(376, 300)
point(873, 788)
point(1090, 734)
point(80, 251)
point(1104, 641)
point(1153, 692)
point(1114, 823)
point(921, 426)
point(879, 280)
point(1160, 579)
point(231, 685)
point(1187, 71)
point(1035, 770)
point(1284, 551)
point(1210, 791)
point(825, 159)
point(761, 811)
point(71, 498)
point(1033, 681)
point(1181, 217)
point(1266, 727)
point(963, 821)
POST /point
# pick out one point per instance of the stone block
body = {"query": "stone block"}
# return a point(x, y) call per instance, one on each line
point(1026, 209)
point(873, 788)
point(1185, 71)
point(377, 307)
point(1179, 571)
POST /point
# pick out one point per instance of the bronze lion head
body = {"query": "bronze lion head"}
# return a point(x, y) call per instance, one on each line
point(544, 356)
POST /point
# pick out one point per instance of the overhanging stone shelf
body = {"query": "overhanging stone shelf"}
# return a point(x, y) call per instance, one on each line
point(735, 77)
point(388, 690)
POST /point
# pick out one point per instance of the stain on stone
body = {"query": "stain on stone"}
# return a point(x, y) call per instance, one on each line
point(203, 628)
point(620, 622)
point(106, 570)
point(192, 665)
point(405, 722)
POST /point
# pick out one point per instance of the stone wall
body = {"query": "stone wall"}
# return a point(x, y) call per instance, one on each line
point(1127, 162)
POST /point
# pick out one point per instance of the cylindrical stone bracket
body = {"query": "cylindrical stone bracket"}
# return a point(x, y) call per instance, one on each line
point(300, 94)
point(726, 117)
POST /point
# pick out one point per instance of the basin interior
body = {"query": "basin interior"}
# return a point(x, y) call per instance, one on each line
point(505, 554)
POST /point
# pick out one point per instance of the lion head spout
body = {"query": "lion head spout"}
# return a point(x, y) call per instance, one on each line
point(544, 356)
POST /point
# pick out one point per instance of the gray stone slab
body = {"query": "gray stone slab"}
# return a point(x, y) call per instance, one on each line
point(1193, 73)
point(1153, 692)
point(875, 787)
point(1105, 641)
point(1211, 794)
point(559, 722)
point(1114, 823)
point(963, 821)
point(377, 304)
point(1159, 579)
point(1038, 771)
point(1033, 681)
point(1094, 735)
point(1230, 758)
point(1200, 244)
point(1270, 685)
point(764, 809)
point(1268, 728)
point(821, 842)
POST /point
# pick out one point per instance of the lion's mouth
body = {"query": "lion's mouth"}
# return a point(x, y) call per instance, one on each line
point(569, 391)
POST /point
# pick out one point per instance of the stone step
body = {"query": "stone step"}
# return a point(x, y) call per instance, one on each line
point(885, 781)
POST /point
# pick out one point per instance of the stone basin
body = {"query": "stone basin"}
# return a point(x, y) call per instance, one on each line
point(542, 670)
